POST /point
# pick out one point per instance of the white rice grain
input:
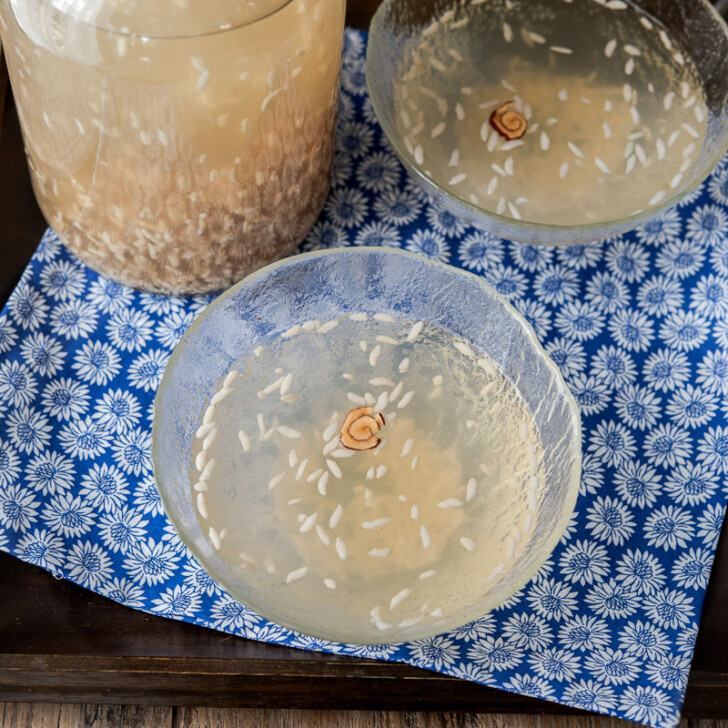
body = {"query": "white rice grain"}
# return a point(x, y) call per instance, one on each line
point(289, 432)
point(334, 468)
point(467, 543)
point(322, 535)
point(398, 598)
point(450, 503)
point(296, 574)
point(376, 523)
point(202, 505)
point(336, 516)
point(374, 355)
point(275, 480)
point(326, 327)
point(406, 399)
point(220, 395)
point(308, 523)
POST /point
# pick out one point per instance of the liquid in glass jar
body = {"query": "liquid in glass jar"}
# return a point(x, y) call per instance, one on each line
point(176, 146)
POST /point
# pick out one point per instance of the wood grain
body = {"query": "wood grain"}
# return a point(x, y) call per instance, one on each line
point(56, 715)
point(68, 715)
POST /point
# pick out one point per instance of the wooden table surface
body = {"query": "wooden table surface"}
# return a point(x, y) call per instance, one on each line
point(59, 642)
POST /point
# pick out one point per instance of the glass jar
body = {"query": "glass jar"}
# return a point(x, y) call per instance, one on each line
point(173, 145)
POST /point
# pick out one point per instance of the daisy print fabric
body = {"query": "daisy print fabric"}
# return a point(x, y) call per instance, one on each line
point(638, 325)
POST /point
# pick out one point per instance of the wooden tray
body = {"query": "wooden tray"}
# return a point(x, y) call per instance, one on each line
point(59, 642)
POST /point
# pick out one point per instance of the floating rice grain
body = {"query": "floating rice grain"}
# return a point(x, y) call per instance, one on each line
point(471, 489)
point(336, 516)
point(341, 550)
point(406, 399)
point(398, 598)
point(376, 618)
point(427, 574)
point(326, 327)
point(275, 480)
point(310, 478)
point(602, 165)
point(380, 553)
point(415, 512)
point(202, 505)
point(289, 432)
point(296, 574)
point(376, 523)
point(425, 537)
point(575, 150)
point(322, 535)
point(209, 415)
point(308, 523)
point(215, 538)
point(301, 469)
point(438, 129)
point(220, 395)
point(323, 483)
point(209, 439)
point(467, 543)
point(450, 503)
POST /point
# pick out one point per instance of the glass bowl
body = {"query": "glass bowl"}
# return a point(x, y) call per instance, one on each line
point(398, 24)
point(263, 312)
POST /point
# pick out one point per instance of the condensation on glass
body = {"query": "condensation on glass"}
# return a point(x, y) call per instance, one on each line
point(173, 145)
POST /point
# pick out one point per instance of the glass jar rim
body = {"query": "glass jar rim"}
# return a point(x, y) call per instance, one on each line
point(124, 32)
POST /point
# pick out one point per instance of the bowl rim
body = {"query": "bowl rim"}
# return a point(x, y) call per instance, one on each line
point(574, 477)
point(631, 221)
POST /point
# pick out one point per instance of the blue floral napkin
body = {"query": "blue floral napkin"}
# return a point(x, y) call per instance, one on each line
point(638, 325)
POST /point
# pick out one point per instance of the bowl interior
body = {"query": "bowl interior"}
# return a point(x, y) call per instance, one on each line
point(697, 26)
point(325, 286)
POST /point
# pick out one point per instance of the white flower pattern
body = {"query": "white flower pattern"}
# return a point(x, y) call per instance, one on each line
point(637, 325)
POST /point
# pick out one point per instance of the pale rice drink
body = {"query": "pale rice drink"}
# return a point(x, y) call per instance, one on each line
point(615, 108)
point(177, 148)
point(410, 532)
